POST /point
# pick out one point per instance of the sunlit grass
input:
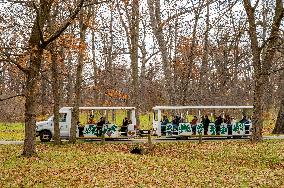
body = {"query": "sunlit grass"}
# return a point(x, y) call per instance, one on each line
point(12, 131)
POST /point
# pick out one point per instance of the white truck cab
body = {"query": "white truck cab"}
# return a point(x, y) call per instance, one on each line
point(45, 129)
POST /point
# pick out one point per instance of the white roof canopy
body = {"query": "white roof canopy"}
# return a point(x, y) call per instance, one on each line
point(107, 108)
point(198, 107)
point(99, 108)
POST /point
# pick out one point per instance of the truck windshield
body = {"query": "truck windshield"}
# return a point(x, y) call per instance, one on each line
point(62, 117)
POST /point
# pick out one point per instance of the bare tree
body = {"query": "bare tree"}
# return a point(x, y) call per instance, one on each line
point(261, 62)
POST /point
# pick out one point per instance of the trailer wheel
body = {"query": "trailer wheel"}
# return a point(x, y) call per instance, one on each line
point(45, 136)
point(237, 137)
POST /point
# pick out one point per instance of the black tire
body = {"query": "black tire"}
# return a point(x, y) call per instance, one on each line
point(182, 138)
point(45, 136)
point(237, 137)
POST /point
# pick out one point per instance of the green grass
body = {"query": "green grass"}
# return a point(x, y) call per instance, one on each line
point(268, 126)
point(12, 131)
point(182, 164)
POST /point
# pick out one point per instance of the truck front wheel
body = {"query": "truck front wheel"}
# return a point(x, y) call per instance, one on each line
point(45, 136)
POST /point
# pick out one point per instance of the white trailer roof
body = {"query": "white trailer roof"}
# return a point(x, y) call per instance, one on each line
point(98, 108)
point(198, 107)
point(107, 108)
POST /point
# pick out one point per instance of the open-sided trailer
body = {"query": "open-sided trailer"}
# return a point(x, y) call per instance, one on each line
point(185, 129)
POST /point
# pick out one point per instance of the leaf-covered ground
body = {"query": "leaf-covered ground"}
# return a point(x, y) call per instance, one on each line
point(181, 164)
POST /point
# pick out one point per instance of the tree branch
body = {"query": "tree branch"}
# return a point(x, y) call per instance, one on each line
point(12, 96)
point(57, 33)
point(9, 59)
point(38, 25)
point(273, 71)
point(96, 3)
point(256, 4)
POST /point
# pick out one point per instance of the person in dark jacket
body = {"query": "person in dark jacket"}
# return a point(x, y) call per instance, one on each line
point(80, 128)
point(218, 123)
point(164, 124)
point(205, 123)
point(245, 121)
point(100, 125)
point(125, 123)
point(175, 122)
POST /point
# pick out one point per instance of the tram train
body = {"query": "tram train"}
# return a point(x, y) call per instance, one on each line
point(179, 127)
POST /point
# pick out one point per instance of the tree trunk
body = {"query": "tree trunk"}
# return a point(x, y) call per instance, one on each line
point(134, 38)
point(56, 94)
point(279, 126)
point(257, 120)
point(32, 78)
point(70, 81)
point(189, 60)
point(204, 65)
point(44, 96)
point(76, 105)
point(32, 92)
point(156, 24)
point(261, 68)
point(95, 69)
point(78, 85)
point(270, 53)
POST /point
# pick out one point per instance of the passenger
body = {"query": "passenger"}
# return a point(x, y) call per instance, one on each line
point(182, 120)
point(91, 119)
point(218, 123)
point(165, 120)
point(125, 123)
point(175, 122)
point(227, 119)
point(202, 118)
point(233, 120)
point(81, 129)
point(164, 124)
point(246, 123)
point(205, 123)
point(244, 120)
point(193, 124)
point(100, 125)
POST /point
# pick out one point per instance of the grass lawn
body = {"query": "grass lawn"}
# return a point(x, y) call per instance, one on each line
point(182, 164)
point(12, 131)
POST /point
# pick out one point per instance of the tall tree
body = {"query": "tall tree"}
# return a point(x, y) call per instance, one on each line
point(83, 24)
point(279, 126)
point(261, 60)
point(37, 44)
point(157, 27)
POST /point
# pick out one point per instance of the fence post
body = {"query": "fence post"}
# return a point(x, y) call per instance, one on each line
point(200, 138)
point(150, 144)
